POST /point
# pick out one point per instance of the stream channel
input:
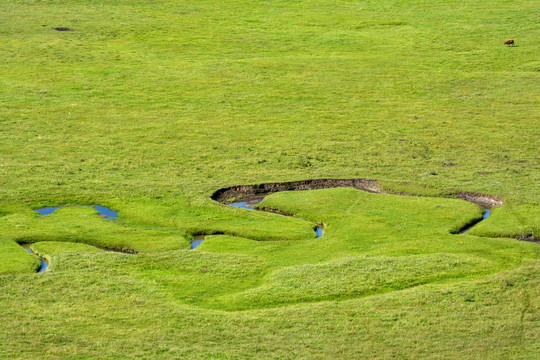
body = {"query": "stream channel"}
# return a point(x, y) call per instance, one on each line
point(247, 204)
point(44, 262)
point(487, 213)
point(105, 212)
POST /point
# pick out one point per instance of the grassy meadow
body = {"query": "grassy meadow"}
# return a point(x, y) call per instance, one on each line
point(150, 106)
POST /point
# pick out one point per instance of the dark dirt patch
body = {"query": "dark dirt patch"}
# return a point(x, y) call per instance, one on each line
point(484, 200)
point(62, 29)
point(243, 191)
point(123, 251)
point(530, 238)
point(225, 195)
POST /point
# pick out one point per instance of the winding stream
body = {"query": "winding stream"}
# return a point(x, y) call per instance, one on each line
point(487, 213)
point(44, 262)
point(105, 212)
point(255, 196)
point(248, 204)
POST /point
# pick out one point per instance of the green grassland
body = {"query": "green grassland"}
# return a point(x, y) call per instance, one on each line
point(150, 106)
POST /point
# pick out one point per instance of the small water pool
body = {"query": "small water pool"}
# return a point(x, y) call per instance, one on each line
point(107, 213)
point(197, 240)
point(248, 204)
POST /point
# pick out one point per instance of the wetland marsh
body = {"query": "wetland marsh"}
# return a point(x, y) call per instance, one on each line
point(391, 125)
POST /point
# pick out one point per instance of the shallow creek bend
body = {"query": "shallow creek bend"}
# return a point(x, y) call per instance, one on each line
point(254, 194)
point(104, 212)
point(248, 204)
point(44, 262)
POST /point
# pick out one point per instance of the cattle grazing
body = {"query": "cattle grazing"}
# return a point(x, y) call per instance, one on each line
point(509, 42)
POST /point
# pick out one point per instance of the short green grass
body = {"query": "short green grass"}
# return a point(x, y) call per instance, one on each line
point(149, 106)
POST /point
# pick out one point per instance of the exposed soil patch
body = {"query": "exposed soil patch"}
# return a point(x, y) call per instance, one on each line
point(242, 191)
point(484, 200)
point(226, 195)
point(276, 211)
point(530, 238)
point(62, 29)
point(123, 251)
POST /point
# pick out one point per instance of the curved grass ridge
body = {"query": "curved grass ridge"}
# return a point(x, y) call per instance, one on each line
point(353, 277)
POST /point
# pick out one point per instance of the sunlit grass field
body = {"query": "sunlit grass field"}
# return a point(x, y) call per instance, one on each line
point(150, 106)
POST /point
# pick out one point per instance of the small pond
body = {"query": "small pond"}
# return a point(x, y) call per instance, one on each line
point(197, 240)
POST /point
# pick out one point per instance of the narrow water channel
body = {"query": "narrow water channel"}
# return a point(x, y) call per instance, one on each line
point(487, 213)
point(44, 262)
point(248, 204)
point(105, 212)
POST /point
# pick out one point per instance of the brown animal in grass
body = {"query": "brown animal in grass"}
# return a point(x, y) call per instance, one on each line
point(509, 42)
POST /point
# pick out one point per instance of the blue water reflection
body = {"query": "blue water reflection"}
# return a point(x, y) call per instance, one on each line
point(196, 243)
point(44, 263)
point(48, 210)
point(107, 213)
point(487, 214)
